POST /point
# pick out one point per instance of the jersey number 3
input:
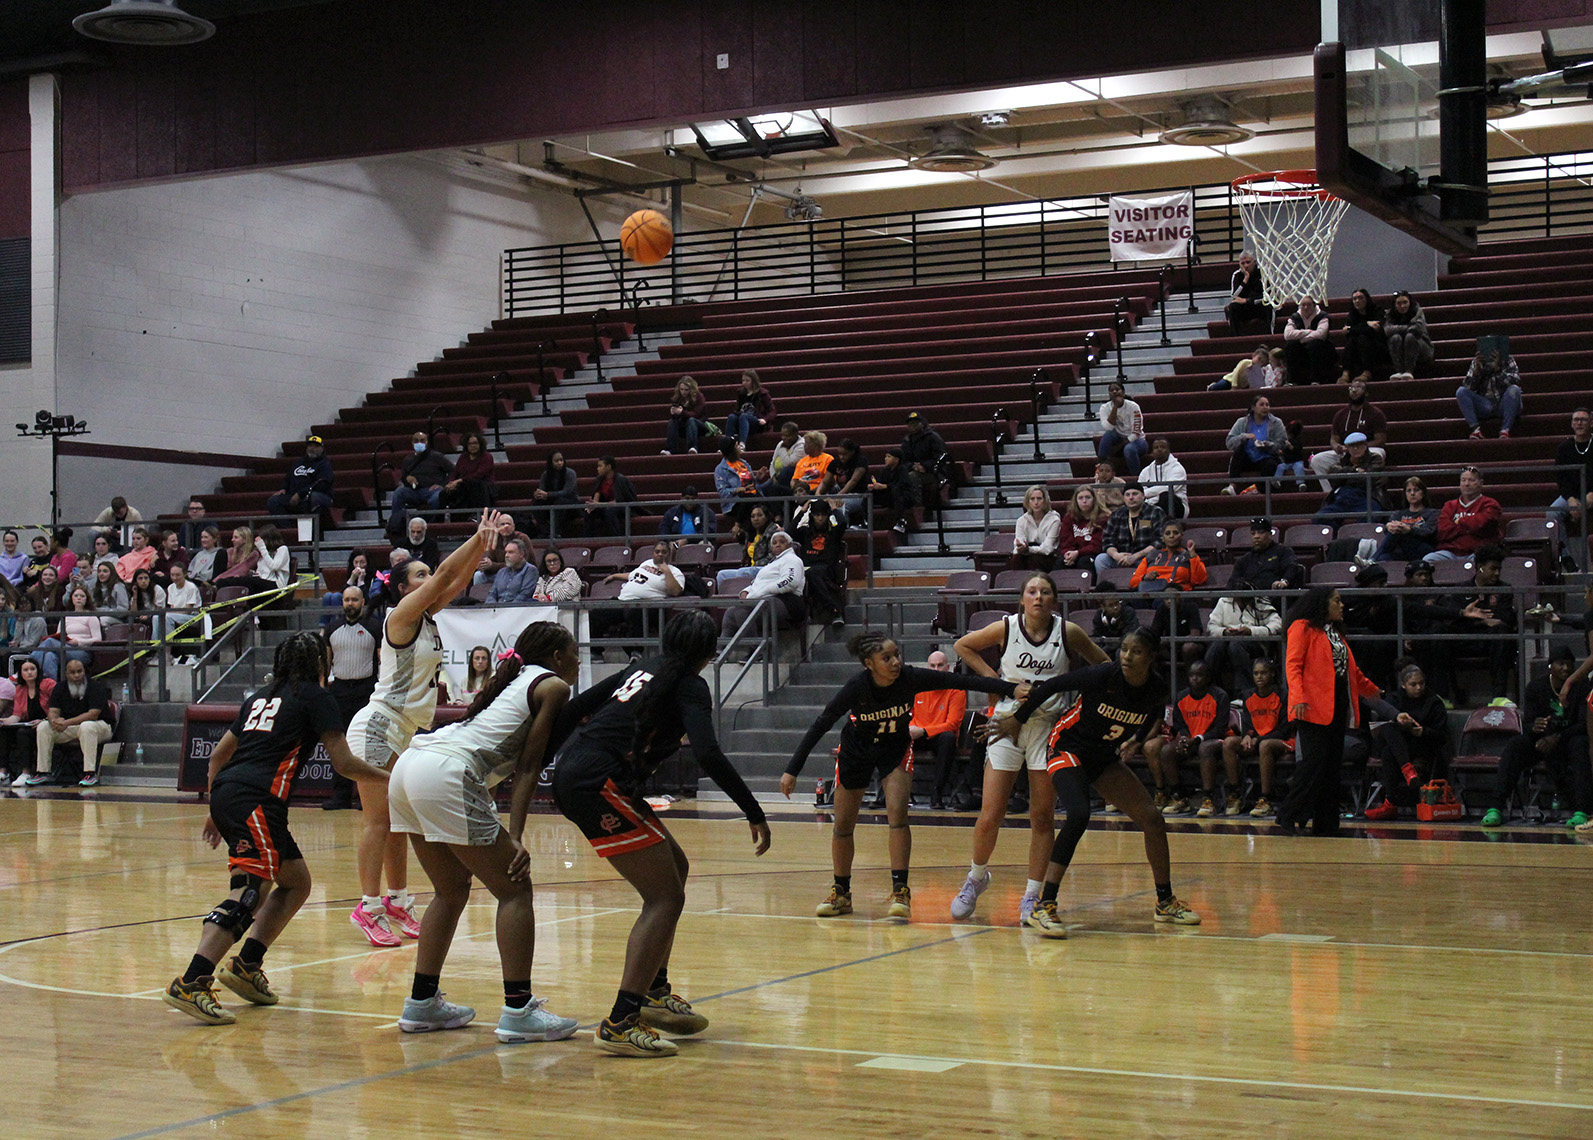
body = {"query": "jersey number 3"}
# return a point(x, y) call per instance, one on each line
point(630, 688)
point(263, 715)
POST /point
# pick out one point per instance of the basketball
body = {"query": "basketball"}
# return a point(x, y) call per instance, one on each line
point(646, 237)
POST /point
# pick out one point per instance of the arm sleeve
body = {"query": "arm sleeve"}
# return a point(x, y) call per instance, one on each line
point(926, 680)
point(832, 712)
point(583, 705)
point(698, 720)
point(323, 712)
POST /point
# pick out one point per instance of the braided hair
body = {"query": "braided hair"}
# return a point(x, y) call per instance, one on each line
point(536, 645)
point(299, 659)
point(688, 640)
point(864, 645)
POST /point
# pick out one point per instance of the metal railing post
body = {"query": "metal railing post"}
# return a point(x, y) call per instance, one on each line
point(597, 345)
point(1119, 331)
point(998, 439)
point(497, 432)
point(1165, 293)
point(542, 377)
point(1092, 357)
point(1034, 407)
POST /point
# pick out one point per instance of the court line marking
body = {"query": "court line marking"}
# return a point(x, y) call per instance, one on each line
point(1095, 1071)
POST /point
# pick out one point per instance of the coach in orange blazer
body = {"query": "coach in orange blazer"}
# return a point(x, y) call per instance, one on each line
point(1325, 687)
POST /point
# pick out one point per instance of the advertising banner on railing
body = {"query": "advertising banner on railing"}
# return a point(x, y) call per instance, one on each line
point(1143, 228)
point(465, 627)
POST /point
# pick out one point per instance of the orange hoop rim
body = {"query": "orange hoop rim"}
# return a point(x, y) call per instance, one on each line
point(1307, 186)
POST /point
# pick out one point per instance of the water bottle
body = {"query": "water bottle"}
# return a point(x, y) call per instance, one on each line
point(138, 754)
point(124, 692)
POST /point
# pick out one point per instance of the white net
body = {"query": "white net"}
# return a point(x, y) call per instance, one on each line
point(1291, 222)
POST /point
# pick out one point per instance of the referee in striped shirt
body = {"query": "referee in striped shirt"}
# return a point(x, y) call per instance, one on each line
point(355, 636)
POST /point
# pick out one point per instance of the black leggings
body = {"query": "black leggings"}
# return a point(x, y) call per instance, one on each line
point(1073, 800)
point(1397, 749)
point(1318, 769)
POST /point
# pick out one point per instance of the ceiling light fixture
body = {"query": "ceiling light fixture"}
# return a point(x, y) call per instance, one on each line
point(951, 151)
point(148, 23)
point(1206, 123)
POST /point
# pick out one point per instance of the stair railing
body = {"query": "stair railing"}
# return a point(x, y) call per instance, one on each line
point(378, 465)
point(998, 439)
point(1034, 405)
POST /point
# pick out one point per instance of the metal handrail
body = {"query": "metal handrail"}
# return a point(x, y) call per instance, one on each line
point(377, 467)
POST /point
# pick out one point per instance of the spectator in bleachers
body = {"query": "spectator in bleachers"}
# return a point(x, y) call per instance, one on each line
point(688, 520)
point(1197, 723)
point(28, 707)
point(12, 560)
point(1122, 429)
point(80, 629)
point(1291, 456)
point(1262, 736)
point(516, 583)
point(107, 592)
point(102, 552)
point(937, 722)
point(812, 471)
point(754, 538)
point(188, 533)
point(79, 710)
point(1132, 532)
point(1172, 565)
point(241, 558)
point(145, 600)
point(1308, 355)
point(1080, 533)
point(850, 475)
point(888, 484)
point(169, 554)
point(1245, 305)
point(784, 579)
point(421, 477)
point(62, 556)
point(735, 483)
point(1490, 613)
point(1352, 497)
point(183, 600)
point(1572, 508)
point(307, 487)
point(820, 534)
point(784, 460)
point(1468, 523)
point(923, 454)
point(49, 592)
point(1036, 534)
point(1409, 344)
point(1268, 564)
point(1492, 387)
point(37, 560)
point(1554, 730)
point(1108, 487)
point(652, 580)
point(1357, 415)
point(1365, 343)
point(1413, 743)
point(1236, 624)
point(29, 629)
point(1254, 442)
point(1412, 531)
point(472, 487)
point(687, 406)
point(209, 560)
point(1165, 481)
point(557, 582)
point(604, 515)
point(141, 556)
point(1112, 620)
point(1254, 371)
point(274, 561)
point(491, 561)
point(419, 543)
point(752, 410)
point(116, 522)
point(555, 488)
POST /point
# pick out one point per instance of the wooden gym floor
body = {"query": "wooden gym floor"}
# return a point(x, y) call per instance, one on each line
point(1367, 986)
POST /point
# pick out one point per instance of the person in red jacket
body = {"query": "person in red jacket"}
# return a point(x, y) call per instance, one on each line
point(937, 719)
point(1325, 688)
point(1467, 524)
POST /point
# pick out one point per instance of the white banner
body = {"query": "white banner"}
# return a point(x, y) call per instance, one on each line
point(465, 627)
point(1144, 228)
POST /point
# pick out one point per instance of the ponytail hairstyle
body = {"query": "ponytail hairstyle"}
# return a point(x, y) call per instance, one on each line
point(689, 639)
point(864, 645)
point(536, 645)
point(1146, 637)
point(397, 578)
point(301, 658)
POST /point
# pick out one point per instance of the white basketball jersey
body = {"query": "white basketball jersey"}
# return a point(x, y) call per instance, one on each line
point(1025, 660)
point(406, 683)
point(492, 740)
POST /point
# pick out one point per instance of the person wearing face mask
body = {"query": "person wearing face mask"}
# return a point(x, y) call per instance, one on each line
point(354, 637)
point(421, 479)
point(1308, 355)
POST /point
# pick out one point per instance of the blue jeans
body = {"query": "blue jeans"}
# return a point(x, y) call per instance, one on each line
point(1478, 408)
point(682, 434)
point(1133, 451)
point(1573, 544)
point(739, 426)
point(49, 654)
point(406, 498)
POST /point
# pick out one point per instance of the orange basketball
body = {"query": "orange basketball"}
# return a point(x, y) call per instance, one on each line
point(646, 237)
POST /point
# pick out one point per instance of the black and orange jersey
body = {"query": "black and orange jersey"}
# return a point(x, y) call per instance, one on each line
point(1265, 716)
point(277, 729)
point(1205, 716)
point(1108, 709)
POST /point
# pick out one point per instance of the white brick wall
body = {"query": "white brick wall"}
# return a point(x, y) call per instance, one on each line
point(228, 314)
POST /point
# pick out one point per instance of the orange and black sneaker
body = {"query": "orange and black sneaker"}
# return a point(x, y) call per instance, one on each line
point(198, 1000)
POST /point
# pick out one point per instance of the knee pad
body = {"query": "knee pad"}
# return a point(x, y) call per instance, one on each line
point(232, 916)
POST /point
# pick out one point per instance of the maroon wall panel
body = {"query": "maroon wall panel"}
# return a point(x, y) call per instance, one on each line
point(364, 77)
point(16, 148)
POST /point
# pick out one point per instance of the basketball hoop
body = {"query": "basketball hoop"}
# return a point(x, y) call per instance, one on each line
point(1291, 221)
